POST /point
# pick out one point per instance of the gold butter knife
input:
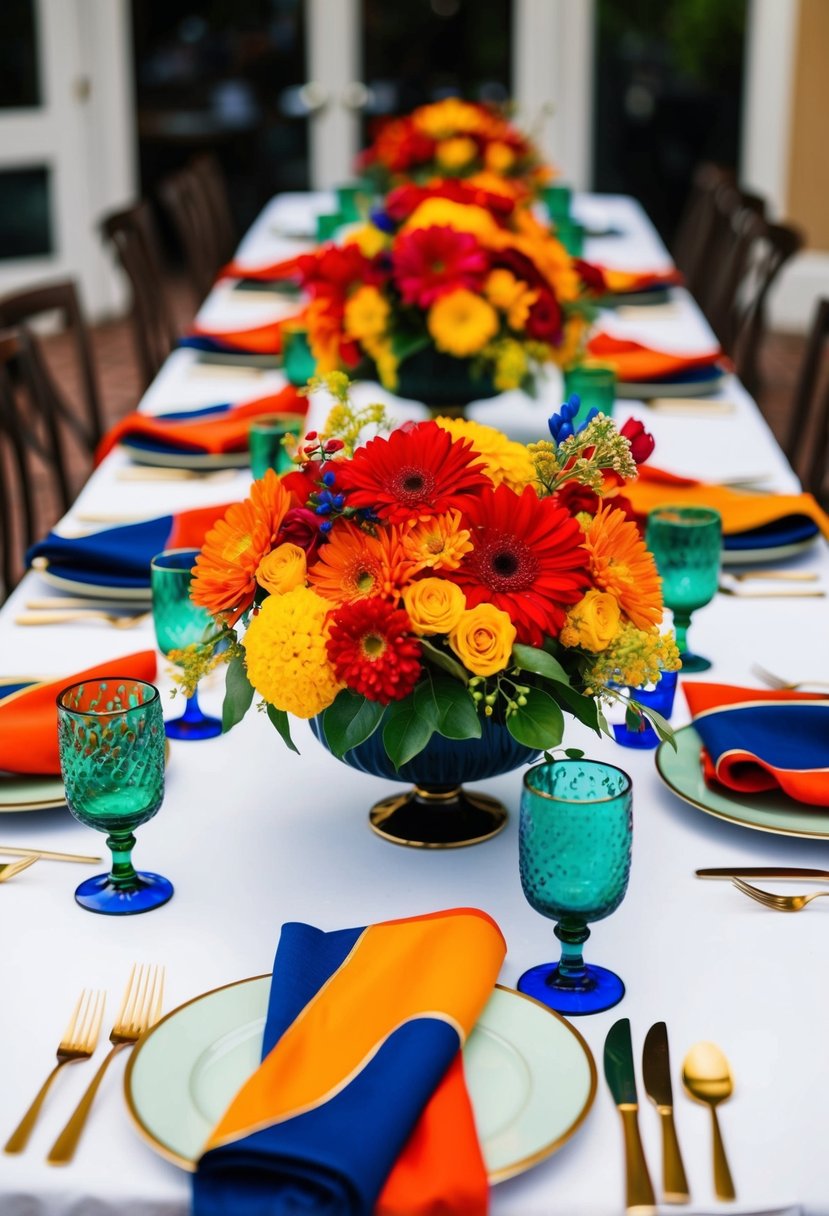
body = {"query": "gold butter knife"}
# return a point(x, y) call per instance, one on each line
point(656, 1073)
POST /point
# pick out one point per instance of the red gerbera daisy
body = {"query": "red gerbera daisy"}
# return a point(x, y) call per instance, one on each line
point(431, 261)
point(372, 650)
point(417, 472)
point(529, 560)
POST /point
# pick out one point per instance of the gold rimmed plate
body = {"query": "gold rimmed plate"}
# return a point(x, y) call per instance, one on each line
point(25, 793)
point(531, 1076)
point(773, 811)
point(169, 458)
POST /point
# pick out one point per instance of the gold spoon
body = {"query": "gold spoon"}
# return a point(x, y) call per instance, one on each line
point(707, 1078)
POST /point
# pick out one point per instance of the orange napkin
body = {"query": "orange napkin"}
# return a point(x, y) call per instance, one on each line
point(740, 511)
point(634, 362)
point(628, 282)
point(260, 340)
point(226, 432)
point(29, 717)
point(270, 272)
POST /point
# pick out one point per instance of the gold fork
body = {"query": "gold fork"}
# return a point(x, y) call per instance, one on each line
point(8, 869)
point(779, 903)
point(62, 618)
point(773, 681)
point(78, 1043)
point(140, 1009)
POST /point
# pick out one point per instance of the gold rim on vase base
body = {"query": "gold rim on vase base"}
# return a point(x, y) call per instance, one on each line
point(439, 818)
point(447, 411)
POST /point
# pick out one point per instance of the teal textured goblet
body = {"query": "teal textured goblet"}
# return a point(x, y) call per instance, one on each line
point(179, 623)
point(574, 841)
point(111, 743)
point(265, 439)
point(686, 543)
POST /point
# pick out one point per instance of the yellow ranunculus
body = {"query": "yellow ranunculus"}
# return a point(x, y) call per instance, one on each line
point(593, 623)
point(456, 153)
point(434, 605)
point(499, 157)
point(463, 217)
point(282, 569)
point(482, 639)
point(462, 323)
point(366, 313)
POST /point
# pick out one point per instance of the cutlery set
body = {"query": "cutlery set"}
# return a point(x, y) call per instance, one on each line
point(770, 899)
point(28, 857)
point(140, 1009)
point(706, 1078)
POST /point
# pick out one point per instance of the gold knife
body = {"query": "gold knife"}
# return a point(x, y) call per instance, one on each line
point(656, 1073)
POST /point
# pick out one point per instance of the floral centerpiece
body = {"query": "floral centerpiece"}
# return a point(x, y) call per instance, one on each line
point(455, 138)
point(435, 587)
point(449, 295)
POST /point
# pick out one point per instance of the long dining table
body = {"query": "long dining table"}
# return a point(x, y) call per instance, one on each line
point(252, 836)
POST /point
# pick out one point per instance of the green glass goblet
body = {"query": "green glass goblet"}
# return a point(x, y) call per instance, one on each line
point(574, 841)
point(686, 543)
point(595, 386)
point(180, 623)
point(265, 439)
point(111, 743)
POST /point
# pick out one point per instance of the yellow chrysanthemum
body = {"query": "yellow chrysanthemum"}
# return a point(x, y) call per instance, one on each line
point(369, 240)
point(504, 461)
point(438, 543)
point(462, 323)
point(463, 217)
point(453, 154)
point(499, 157)
point(443, 118)
point(285, 653)
point(366, 313)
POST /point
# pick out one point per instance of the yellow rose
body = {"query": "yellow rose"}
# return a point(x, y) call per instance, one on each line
point(593, 623)
point(366, 313)
point(282, 569)
point(434, 605)
point(455, 153)
point(499, 157)
point(482, 639)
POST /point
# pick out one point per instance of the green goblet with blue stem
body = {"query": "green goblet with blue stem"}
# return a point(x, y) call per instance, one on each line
point(686, 543)
point(111, 743)
point(574, 840)
point(180, 623)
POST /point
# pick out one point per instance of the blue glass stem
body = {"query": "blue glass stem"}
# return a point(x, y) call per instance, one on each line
point(571, 971)
point(193, 712)
point(122, 875)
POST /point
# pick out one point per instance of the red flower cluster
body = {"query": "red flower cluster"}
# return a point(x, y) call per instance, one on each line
point(404, 200)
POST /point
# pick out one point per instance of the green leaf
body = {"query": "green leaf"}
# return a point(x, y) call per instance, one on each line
point(661, 725)
point(449, 706)
point(238, 693)
point(407, 730)
point(282, 723)
point(574, 753)
point(530, 658)
point(405, 345)
point(439, 658)
point(539, 723)
point(349, 721)
point(578, 704)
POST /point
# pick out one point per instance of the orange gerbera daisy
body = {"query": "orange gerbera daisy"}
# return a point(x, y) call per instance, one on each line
point(353, 565)
point(224, 579)
point(621, 563)
point(439, 543)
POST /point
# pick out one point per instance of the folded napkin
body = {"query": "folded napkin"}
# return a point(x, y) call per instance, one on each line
point(742, 512)
point(634, 362)
point(120, 557)
point(258, 340)
point(216, 429)
point(269, 272)
point(756, 740)
point(29, 715)
point(629, 282)
point(359, 1104)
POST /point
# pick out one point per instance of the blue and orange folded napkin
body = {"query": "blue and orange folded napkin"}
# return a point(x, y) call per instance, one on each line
point(29, 715)
point(634, 363)
point(214, 429)
point(120, 557)
point(359, 1105)
point(756, 740)
point(255, 340)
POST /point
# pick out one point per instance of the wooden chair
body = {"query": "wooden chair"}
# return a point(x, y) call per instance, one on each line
point(62, 297)
point(807, 441)
point(697, 221)
point(772, 247)
point(133, 235)
point(210, 175)
point(18, 481)
point(185, 200)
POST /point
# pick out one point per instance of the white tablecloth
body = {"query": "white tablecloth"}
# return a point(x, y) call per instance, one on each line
point(252, 835)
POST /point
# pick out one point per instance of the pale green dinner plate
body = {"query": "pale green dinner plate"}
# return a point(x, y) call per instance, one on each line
point(198, 461)
point(30, 793)
point(681, 771)
point(531, 1076)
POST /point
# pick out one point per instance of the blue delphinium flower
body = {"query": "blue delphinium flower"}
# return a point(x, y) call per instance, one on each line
point(561, 424)
point(382, 220)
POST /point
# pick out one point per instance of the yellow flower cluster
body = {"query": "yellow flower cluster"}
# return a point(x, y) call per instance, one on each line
point(511, 364)
point(504, 460)
point(453, 154)
point(285, 653)
point(366, 314)
point(444, 118)
point(635, 657)
point(463, 217)
point(461, 323)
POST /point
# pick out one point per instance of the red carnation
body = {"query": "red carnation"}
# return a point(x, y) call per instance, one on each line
point(575, 497)
point(642, 442)
point(373, 651)
point(431, 261)
point(545, 319)
point(591, 276)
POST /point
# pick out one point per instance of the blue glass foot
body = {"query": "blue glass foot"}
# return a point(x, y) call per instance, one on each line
point(193, 723)
point(644, 739)
point(600, 989)
point(100, 894)
point(694, 662)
